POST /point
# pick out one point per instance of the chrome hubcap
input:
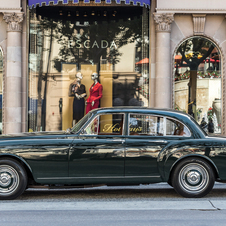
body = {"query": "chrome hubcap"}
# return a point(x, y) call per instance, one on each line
point(9, 179)
point(193, 178)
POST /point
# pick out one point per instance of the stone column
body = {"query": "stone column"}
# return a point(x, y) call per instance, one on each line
point(163, 60)
point(12, 111)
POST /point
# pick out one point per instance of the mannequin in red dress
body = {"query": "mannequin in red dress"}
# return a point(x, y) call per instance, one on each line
point(95, 93)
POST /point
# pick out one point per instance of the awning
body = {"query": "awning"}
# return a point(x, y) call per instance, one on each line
point(144, 61)
point(32, 3)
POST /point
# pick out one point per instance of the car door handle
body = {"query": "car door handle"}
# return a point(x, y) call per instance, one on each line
point(119, 140)
point(157, 141)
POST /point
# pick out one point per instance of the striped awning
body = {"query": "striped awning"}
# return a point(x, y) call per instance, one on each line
point(33, 3)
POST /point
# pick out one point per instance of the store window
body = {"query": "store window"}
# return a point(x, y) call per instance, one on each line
point(198, 79)
point(1, 79)
point(68, 45)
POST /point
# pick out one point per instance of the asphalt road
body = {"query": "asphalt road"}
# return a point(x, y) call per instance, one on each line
point(156, 204)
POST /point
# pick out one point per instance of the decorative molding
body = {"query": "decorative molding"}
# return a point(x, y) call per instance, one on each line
point(223, 70)
point(184, 10)
point(3, 89)
point(34, 3)
point(14, 21)
point(2, 9)
point(163, 21)
point(199, 21)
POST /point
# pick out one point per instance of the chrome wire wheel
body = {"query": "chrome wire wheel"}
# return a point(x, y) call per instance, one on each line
point(193, 178)
point(9, 180)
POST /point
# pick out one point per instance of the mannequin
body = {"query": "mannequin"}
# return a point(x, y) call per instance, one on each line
point(95, 91)
point(78, 90)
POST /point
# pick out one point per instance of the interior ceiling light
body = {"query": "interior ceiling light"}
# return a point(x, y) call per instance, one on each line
point(85, 14)
point(93, 13)
point(77, 13)
point(69, 13)
point(60, 13)
point(105, 13)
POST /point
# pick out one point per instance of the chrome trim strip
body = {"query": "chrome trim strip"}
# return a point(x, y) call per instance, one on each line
point(119, 177)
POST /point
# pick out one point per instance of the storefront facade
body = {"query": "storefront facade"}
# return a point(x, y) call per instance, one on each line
point(164, 54)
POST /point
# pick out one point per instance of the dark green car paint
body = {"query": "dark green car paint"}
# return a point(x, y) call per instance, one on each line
point(75, 158)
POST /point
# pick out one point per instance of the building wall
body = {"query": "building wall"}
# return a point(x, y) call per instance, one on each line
point(13, 41)
point(191, 18)
point(212, 26)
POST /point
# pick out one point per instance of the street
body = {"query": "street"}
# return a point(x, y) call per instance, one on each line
point(156, 204)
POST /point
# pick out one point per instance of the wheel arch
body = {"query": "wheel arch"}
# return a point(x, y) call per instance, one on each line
point(21, 161)
point(211, 163)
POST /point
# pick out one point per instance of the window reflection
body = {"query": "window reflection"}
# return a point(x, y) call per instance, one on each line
point(64, 42)
point(109, 124)
point(197, 89)
point(1, 79)
point(146, 125)
point(156, 126)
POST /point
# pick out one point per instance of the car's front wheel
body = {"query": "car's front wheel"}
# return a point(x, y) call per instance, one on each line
point(13, 179)
point(193, 178)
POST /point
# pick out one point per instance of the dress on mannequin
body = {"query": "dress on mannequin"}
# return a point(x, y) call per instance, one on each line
point(78, 91)
point(78, 103)
point(93, 100)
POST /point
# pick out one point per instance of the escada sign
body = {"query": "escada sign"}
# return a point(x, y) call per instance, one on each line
point(103, 44)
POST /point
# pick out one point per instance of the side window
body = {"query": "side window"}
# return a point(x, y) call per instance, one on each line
point(146, 125)
point(92, 128)
point(106, 124)
point(175, 128)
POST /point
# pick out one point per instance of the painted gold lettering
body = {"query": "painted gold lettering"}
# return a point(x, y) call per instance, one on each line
point(111, 128)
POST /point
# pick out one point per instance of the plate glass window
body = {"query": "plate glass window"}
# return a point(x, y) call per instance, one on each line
point(1, 79)
point(64, 40)
point(198, 82)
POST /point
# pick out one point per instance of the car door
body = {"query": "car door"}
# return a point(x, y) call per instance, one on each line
point(147, 135)
point(144, 142)
point(98, 154)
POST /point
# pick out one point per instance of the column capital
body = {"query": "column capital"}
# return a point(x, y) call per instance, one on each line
point(163, 21)
point(14, 21)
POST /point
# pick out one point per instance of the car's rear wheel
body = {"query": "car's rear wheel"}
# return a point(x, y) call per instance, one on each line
point(193, 178)
point(13, 179)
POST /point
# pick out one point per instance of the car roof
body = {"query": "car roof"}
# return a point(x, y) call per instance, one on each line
point(128, 109)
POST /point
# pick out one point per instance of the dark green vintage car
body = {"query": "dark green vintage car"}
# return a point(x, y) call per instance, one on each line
point(115, 146)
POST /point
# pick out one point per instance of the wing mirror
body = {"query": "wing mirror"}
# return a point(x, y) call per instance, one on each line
point(68, 130)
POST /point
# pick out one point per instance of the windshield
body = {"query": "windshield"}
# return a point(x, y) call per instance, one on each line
point(80, 123)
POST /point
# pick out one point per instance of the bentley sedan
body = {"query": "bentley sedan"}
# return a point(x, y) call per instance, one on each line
point(115, 146)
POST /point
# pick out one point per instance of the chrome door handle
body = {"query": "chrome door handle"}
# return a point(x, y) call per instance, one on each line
point(119, 140)
point(157, 141)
